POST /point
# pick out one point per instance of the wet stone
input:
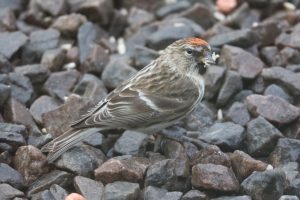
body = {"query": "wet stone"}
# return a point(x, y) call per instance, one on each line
point(194, 195)
point(243, 164)
point(131, 143)
point(287, 150)
point(60, 84)
point(11, 176)
point(261, 137)
point(58, 177)
point(8, 192)
point(42, 105)
point(213, 81)
point(36, 73)
point(227, 135)
point(10, 43)
point(214, 177)
point(247, 65)
point(278, 91)
point(30, 162)
point(121, 190)
point(12, 134)
point(21, 88)
point(238, 114)
point(81, 160)
point(122, 168)
point(272, 108)
point(90, 189)
point(264, 185)
point(53, 59)
point(232, 84)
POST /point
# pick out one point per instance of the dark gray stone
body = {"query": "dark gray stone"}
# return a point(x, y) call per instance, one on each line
point(264, 185)
point(11, 176)
point(232, 84)
point(121, 191)
point(172, 8)
point(90, 189)
point(4, 93)
point(290, 56)
point(10, 43)
point(58, 177)
point(95, 140)
point(143, 56)
point(21, 88)
point(58, 192)
point(81, 160)
point(8, 192)
point(194, 195)
point(238, 113)
point(227, 135)
point(213, 81)
point(5, 65)
point(131, 143)
point(267, 32)
point(289, 39)
point(271, 56)
point(278, 91)
point(53, 59)
point(53, 7)
point(272, 108)
point(13, 135)
point(244, 197)
point(36, 73)
point(214, 177)
point(139, 17)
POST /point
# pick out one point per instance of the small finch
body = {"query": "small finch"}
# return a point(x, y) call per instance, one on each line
point(163, 92)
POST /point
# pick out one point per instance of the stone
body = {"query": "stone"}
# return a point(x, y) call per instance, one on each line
point(244, 197)
point(60, 84)
point(290, 40)
point(54, 8)
point(95, 140)
point(238, 114)
point(42, 105)
point(213, 81)
point(8, 192)
point(81, 160)
point(288, 197)
point(30, 162)
point(118, 23)
point(264, 185)
point(272, 108)
point(143, 56)
point(39, 42)
point(287, 150)
point(284, 77)
point(232, 84)
point(11, 42)
point(21, 88)
point(241, 38)
point(172, 8)
point(171, 174)
point(171, 148)
point(139, 17)
point(7, 20)
point(93, 57)
point(5, 65)
point(194, 195)
point(180, 27)
point(12, 134)
point(4, 93)
point(292, 178)
point(11, 176)
point(90, 189)
point(53, 59)
point(290, 56)
point(121, 191)
point(243, 165)
point(247, 65)
point(261, 137)
point(267, 32)
point(203, 116)
point(227, 135)
point(36, 73)
point(278, 91)
point(58, 192)
point(214, 177)
point(258, 85)
point(131, 143)
point(124, 168)
point(153, 193)
point(271, 56)
point(68, 25)
point(211, 155)
point(117, 71)
point(58, 177)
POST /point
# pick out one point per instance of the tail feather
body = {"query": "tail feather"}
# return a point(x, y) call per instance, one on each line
point(65, 142)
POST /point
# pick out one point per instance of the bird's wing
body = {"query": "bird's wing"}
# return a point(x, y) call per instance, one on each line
point(132, 108)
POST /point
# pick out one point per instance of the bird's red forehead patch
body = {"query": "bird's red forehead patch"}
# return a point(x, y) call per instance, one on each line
point(196, 41)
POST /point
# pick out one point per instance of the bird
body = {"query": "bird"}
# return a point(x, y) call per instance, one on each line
point(163, 92)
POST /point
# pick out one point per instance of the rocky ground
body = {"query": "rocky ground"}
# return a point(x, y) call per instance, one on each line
point(57, 57)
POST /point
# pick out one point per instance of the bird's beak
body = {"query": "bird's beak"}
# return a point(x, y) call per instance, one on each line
point(210, 59)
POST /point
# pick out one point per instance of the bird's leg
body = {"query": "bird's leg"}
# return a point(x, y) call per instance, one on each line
point(182, 138)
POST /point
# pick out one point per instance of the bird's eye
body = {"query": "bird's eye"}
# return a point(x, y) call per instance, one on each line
point(189, 51)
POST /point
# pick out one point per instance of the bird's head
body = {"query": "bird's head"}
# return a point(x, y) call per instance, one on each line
point(191, 55)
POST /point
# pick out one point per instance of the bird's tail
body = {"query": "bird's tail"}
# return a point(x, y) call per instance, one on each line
point(65, 142)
